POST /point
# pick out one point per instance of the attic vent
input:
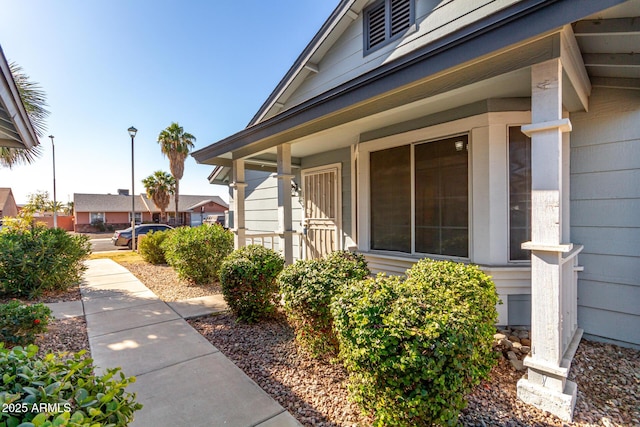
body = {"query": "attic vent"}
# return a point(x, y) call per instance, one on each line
point(386, 20)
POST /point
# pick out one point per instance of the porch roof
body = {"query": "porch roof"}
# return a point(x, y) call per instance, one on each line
point(418, 76)
point(15, 128)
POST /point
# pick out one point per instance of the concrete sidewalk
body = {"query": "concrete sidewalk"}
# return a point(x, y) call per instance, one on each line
point(181, 378)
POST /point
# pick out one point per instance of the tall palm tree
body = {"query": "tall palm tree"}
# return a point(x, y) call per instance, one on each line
point(175, 143)
point(160, 186)
point(34, 100)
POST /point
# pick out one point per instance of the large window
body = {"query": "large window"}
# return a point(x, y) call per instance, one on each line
point(519, 193)
point(386, 20)
point(138, 217)
point(439, 194)
point(96, 217)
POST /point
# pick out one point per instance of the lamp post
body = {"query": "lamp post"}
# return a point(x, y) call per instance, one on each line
point(55, 204)
point(132, 132)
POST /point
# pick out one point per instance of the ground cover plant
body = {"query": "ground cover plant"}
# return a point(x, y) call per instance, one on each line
point(308, 287)
point(415, 347)
point(40, 259)
point(58, 391)
point(196, 253)
point(248, 279)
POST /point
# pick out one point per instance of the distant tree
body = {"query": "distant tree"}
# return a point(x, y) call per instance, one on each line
point(175, 143)
point(39, 202)
point(68, 208)
point(34, 100)
point(160, 186)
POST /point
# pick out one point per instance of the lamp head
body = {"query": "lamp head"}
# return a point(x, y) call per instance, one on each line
point(132, 131)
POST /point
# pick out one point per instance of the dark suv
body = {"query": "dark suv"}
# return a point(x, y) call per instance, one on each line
point(123, 237)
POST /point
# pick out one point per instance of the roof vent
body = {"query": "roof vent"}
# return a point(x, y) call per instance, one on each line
point(123, 192)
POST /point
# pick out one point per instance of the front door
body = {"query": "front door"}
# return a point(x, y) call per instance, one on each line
point(322, 210)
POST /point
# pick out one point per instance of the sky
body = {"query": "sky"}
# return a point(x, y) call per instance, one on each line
point(106, 65)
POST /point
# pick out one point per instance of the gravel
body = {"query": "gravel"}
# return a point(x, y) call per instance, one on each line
point(315, 392)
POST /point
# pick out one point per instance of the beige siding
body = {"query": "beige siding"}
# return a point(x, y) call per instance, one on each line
point(345, 60)
point(605, 201)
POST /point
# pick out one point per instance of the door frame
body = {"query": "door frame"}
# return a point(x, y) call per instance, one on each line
point(338, 199)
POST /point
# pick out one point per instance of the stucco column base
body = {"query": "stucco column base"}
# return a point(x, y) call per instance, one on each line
point(559, 404)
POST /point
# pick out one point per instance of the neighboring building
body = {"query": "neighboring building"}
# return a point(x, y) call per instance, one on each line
point(99, 212)
point(8, 205)
point(502, 133)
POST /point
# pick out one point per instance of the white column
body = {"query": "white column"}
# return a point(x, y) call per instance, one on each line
point(546, 385)
point(285, 221)
point(238, 185)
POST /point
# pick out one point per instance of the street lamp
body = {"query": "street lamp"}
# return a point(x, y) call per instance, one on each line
point(132, 132)
point(55, 205)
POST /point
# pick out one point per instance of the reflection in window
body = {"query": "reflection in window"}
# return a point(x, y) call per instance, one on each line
point(519, 193)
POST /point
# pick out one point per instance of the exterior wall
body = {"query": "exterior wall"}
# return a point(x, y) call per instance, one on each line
point(65, 222)
point(605, 202)
point(345, 59)
point(342, 156)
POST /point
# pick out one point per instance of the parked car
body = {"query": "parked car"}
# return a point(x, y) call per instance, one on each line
point(123, 237)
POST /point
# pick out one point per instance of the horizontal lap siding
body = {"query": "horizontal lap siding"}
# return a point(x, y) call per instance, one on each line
point(345, 60)
point(605, 214)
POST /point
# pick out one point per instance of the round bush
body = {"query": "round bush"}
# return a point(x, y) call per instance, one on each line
point(415, 347)
point(66, 388)
point(196, 253)
point(307, 288)
point(248, 279)
point(40, 259)
point(20, 323)
point(150, 247)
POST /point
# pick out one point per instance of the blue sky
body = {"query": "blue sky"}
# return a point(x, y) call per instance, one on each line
point(109, 64)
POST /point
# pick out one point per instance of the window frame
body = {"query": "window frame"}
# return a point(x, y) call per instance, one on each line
point(509, 245)
point(92, 219)
point(388, 38)
point(412, 159)
point(138, 215)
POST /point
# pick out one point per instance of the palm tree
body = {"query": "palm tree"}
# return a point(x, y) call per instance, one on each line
point(34, 100)
point(175, 143)
point(160, 186)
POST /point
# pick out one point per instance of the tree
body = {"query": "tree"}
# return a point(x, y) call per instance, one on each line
point(160, 186)
point(34, 100)
point(175, 143)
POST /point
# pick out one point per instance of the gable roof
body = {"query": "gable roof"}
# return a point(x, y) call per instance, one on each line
point(350, 101)
point(16, 129)
point(5, 196)
point(122, 203)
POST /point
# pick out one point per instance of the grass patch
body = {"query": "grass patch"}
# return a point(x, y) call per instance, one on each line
point(119, 257)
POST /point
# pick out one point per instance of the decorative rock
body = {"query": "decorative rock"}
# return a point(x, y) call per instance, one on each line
point(525, 341)
point(512, 356)
point(517, 364)
point(514, 338)
point(517, 345)
point(505, 332)
point(525, 349)
point(499, 337)
point(506, 344)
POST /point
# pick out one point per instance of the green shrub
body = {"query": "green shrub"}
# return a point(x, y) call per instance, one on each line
point(40, 259)
point(150, 247)
point(415, 347)
point(19, 323)
point(307, 288)
point(248, 279)
point(195, 253)
point(57, 391)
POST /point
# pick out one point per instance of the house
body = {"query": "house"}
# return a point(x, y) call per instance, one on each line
point(15, 128)
point(502, 133)
point(94, 212)
point(8, 205)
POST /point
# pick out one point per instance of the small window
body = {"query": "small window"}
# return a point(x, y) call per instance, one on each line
point(96, 217)
point(138, 217)
point(519, 194)
point(386, 20)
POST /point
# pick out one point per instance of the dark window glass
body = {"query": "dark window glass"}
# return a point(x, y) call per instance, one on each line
point(519, 193)
point(391, 199)
point(442, 197)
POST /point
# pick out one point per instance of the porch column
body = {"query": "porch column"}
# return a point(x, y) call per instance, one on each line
point(285, 221)
point(238, 185)
point(554, 338)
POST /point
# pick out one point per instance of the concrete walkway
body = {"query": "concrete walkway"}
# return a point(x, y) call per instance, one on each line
point(181, 378)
